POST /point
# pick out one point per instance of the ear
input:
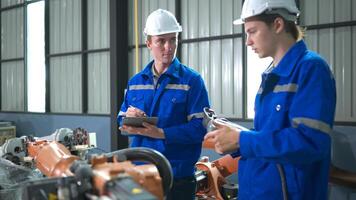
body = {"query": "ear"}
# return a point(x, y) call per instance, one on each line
point(278, 25)
point(148, 44)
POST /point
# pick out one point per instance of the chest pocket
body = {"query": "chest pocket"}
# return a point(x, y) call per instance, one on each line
point(276, 111)
point(137, 100)
point(175, 103)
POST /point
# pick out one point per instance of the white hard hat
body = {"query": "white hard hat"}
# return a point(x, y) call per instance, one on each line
point(161, 22)
point(286, 8)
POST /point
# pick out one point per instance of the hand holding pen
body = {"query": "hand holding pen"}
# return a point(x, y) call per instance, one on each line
point(135, 112)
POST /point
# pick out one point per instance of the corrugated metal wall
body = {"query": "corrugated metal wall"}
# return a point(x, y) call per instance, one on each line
point(66, 87)
point(65, 61)
point(218, 61)
point(12, 86)
point(65, 26)
point(12, 35)
point(337, 46)
point(98, 83)
point(12, 49)
point(98, 63)
point(98, 24)
point(6, 3)
point(65, 71)
point(66, 37)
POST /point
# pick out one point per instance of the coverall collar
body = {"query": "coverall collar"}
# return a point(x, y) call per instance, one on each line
point(173, 69)
point(290, 59)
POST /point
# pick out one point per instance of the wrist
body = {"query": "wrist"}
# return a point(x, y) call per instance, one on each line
point(162, 133)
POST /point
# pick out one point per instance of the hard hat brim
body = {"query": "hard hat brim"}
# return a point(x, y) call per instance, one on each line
point(146, 33)
point(238, 21)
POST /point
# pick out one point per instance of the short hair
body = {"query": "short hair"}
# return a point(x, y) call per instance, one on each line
point(290, 26)
point(148, 37)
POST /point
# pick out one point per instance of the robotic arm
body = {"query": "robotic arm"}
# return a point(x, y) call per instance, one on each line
point(112, 176)
point(211, 176)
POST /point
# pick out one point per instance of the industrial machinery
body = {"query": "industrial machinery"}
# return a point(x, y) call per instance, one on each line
point(16, 149)
point(211, 176)
point(135, 173)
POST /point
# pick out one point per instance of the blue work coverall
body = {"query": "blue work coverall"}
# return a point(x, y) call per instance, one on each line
point(294, 114)
point(177, 100)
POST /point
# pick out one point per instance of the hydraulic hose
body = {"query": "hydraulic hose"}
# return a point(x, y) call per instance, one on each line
point(151, 156)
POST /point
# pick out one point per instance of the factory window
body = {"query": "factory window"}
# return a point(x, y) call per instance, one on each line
point(35, 53)
point(255, 67)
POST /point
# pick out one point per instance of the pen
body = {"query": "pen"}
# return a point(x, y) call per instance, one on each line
point(143, 113)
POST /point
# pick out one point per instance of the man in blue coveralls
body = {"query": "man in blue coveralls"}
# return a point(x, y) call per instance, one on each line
point(174, 93)
point(287, 155)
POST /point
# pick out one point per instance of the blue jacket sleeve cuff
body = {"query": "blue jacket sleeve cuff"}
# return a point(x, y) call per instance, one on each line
point(236, 154)
point(246, 138)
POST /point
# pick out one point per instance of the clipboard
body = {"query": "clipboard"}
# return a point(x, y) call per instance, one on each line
point(137, 121)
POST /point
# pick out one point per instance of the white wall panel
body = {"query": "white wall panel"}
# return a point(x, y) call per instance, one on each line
point(215, 79)
point(6, 3)
point(326, 14)
point(185, 53)
point(98, 24)
point(193, 17)
point(237, 5)
point(12, 43)
point(343, 73)
point(215, 17)
point(65, 26)
point(204, 62)
point(226, 17)
point(66, 84)
point(343, 10)
point(204, 47)
point(171, 6)
point(193, 32)
point(238, 77)
point(99, 83)
point(215, 56)
point(193, 60)
point(311, 38)
point(162, 3)
point(204, 20)
point(326, 11)
point(185, 18)
point(327, 46)
point(309, 10)
point(353, 8)
point(154, 5)
point(215, 59)
point(227, 87)
point(12, 86)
